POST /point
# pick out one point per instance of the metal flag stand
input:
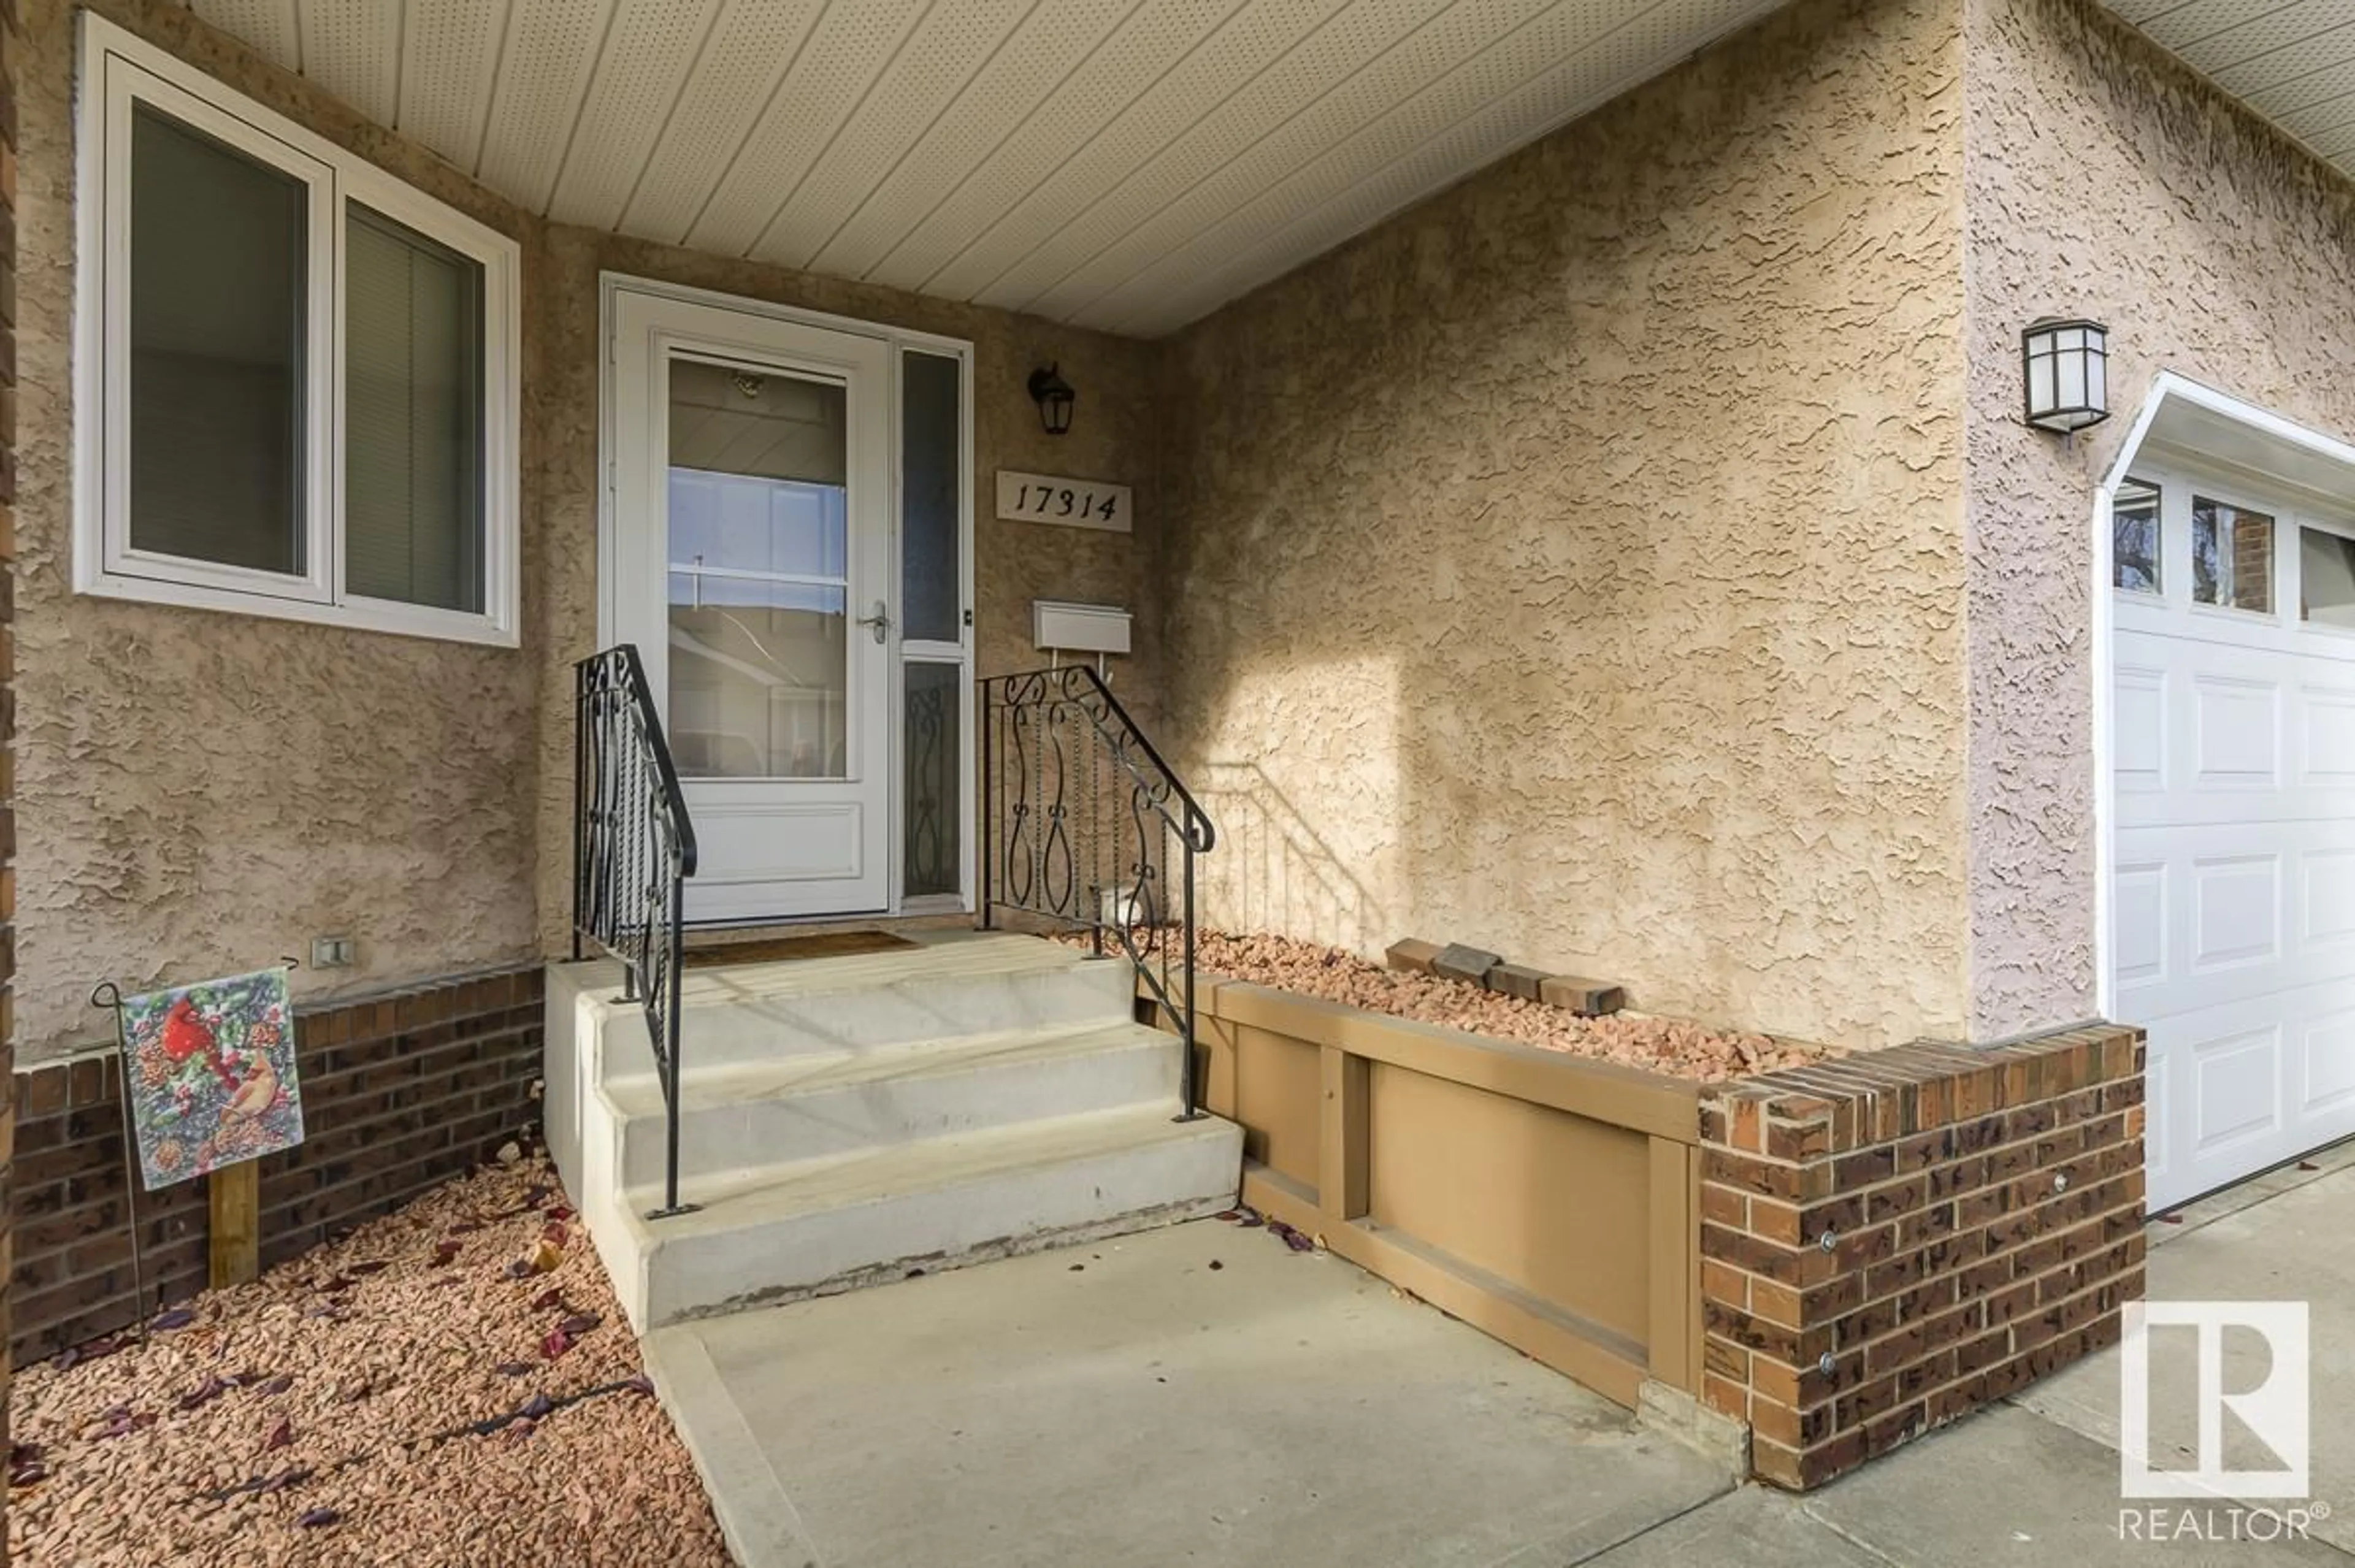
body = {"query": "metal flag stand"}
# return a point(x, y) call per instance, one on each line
point(233, 1191)
point(108, 994)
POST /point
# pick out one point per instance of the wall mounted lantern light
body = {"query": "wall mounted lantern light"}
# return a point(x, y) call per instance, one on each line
point(1054, 397)
point(2066, 367)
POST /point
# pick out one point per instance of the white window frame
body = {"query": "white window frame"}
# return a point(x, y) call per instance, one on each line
point(118, 70)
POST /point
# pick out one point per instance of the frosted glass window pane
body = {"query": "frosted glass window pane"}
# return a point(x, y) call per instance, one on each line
point(217, 279)
point(2326, 574)
point(2039, 381)
point(932, 455)
point(933, 743)
point(412, 417)
point(2072, 380)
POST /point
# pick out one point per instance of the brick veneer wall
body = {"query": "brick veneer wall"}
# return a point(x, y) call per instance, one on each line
point(1893, 1240)
point(400, 1092)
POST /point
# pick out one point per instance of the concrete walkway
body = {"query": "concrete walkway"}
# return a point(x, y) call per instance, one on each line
point(1202, 1395)
point(2036, 1481)
point(1195, 1395)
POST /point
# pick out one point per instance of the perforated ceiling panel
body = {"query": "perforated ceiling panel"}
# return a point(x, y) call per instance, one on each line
point(352, 47)
point(1126, 163)
point(737, 77)
point(932, 68)
point(551, 49)
point(2293, 62)
point(854, 41)
point(644, 69)
point(449, 55)
point(268, 24)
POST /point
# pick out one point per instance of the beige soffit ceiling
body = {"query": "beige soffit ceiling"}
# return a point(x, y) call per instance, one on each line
point(2292, 62)
point(1128, 164)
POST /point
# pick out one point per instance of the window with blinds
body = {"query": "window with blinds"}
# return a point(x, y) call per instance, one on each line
point(412, 416)
point(299, 374)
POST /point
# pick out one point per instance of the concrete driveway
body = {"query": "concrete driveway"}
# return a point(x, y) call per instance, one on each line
point(1202, 1396)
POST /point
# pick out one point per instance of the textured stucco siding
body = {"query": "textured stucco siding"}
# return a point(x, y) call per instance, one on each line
point(2104, 179)
point(199, 791)
point(1111, 437)
point(1572, 564)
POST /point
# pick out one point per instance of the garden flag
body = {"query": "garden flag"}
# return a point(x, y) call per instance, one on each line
point(210, 1071)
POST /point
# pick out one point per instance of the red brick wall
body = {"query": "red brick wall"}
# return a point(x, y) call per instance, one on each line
point(1894, 1240)
point(398, 1093)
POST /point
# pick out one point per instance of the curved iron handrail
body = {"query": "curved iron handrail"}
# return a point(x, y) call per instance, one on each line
point(1086, 818)
point(633, 850)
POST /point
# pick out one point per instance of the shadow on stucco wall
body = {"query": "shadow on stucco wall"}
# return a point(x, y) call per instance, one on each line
point(1576, 556)
point(1273, 871)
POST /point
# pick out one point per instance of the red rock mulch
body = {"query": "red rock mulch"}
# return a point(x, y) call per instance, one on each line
point(301, 1419)
point(1661, 1045)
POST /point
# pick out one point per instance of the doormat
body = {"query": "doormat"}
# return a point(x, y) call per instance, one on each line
point(783, 949)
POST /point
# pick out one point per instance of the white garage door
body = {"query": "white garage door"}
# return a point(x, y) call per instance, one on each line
point(2232, 760)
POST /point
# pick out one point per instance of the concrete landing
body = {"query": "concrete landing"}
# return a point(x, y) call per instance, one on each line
point(1197, 1395)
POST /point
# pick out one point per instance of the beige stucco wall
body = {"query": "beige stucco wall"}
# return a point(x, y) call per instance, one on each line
point(1112, 436)
point(2104, 179)
point(199, 791)
point(1570, 564)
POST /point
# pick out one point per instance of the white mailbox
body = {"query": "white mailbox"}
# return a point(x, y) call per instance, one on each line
point(1079, 628)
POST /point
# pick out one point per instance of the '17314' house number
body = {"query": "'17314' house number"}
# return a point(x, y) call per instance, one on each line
point(1074, 503)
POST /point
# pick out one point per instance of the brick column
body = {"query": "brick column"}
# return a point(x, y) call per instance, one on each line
point(1892, 1240)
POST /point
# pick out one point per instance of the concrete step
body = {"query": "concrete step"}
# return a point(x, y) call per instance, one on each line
point(819, 1225)
point(812, 1104)
point(952, 984)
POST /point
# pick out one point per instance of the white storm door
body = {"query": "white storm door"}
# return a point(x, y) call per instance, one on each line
point(752, 539)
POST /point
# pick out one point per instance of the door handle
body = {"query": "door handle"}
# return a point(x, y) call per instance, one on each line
point(880, 621)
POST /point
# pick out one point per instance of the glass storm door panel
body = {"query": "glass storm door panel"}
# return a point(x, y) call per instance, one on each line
point(752, 532)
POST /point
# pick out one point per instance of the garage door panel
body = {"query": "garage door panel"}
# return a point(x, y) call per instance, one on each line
point(2206, 916)
point(2236, 912)
point(2325, 904)
point(2140, 927)
point(2326, 1065)
point(2139, 759)
point(2239, 1087)
point(2235, 733)
point(2232, 930)
point(2214, 741)
point(2159, 1139)
point(2236, 1094)
point(2326, 737)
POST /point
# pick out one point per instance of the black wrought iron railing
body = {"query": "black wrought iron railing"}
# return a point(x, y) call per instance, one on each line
point(633, 850)
point(1089, 829)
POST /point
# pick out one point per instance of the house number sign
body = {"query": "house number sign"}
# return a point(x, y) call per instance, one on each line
point(1075, 503)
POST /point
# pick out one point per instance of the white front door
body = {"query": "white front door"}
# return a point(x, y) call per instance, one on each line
point(752, 565)
point(2232, 780)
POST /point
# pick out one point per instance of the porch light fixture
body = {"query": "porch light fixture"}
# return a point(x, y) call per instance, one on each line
point(1054, 397)
point(2066, 367)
